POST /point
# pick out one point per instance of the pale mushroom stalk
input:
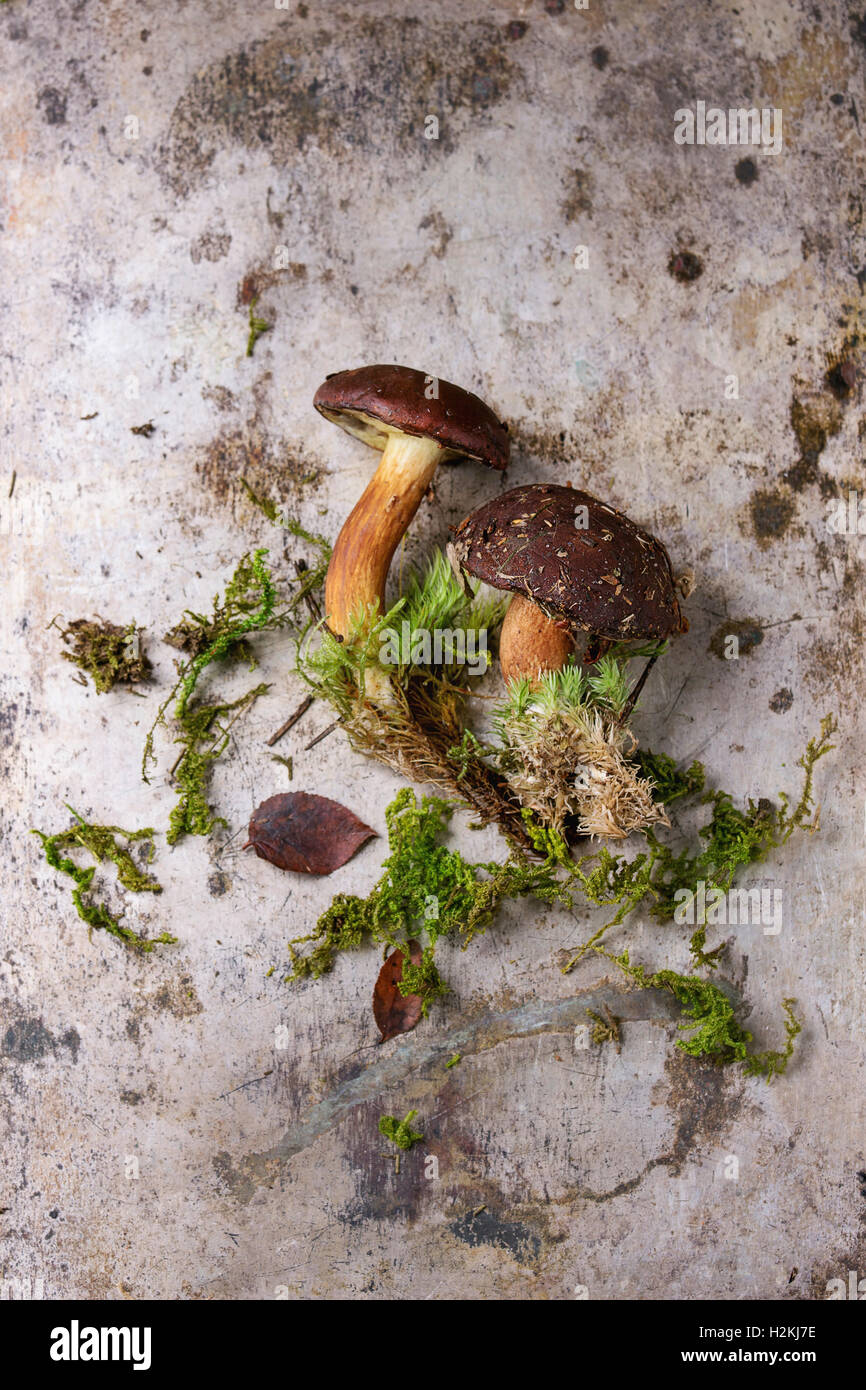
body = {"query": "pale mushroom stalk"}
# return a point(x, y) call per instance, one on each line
point(377, 523)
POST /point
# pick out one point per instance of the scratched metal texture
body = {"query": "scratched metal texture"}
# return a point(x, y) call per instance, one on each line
point(155, 158)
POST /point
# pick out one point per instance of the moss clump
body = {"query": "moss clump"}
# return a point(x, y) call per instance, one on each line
point(111, 655)
point(606, 1028)
point(424, 888)
point(100, 841)
point(400, 1132)
point(566, 751)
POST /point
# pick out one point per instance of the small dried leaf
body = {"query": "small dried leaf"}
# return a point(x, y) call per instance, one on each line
point(305, 833)
point(396, 1013)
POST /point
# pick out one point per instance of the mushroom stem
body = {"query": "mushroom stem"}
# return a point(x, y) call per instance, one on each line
point(531, 643)
point(377, 523)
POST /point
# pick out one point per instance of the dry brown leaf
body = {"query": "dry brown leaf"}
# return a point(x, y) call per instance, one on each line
point(396, 1013)
point(305, 833)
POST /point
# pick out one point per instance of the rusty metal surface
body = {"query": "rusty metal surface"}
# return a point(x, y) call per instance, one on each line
point(162, 166)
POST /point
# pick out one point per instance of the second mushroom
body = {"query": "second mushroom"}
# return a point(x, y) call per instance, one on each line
point(575, 565)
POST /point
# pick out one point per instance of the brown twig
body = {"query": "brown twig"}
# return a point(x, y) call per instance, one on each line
point(301, 568)
point(177, 762)
point(292, 719)
point(639, 685)
point(324, 734)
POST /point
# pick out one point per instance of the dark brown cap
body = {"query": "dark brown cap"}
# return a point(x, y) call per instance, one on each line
point(373, 402)
point(608, 576)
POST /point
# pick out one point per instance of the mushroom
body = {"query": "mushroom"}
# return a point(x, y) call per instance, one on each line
point(417, 422)
point(573, 563)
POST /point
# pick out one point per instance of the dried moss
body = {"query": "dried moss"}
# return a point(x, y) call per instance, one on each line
point(111, 655)
point(606, 1028)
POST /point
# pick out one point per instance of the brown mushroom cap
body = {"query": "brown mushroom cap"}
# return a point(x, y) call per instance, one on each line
point(609, 577)
point(375, 402)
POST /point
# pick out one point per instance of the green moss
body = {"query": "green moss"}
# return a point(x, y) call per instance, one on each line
point(109, 654)
point(257, 327)
point(732, 839)
point(434, 600)
point(247, 606)
point(453, 1061)
point(669, 782)
point(100, 841)
point(425, 889)
point(204, 737)
point(770, 1064)
point(710, 1020)
point(428, 891)
point(400, 1132)
point(196, 632)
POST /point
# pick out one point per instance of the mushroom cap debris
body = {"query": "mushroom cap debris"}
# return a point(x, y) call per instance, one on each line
point(576, 557)
point(376, 402)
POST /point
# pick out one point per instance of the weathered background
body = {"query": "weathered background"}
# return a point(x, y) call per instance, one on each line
point(126, 267)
